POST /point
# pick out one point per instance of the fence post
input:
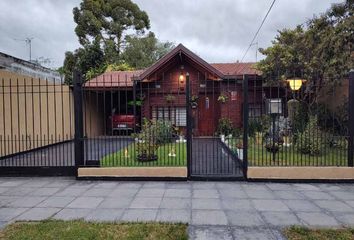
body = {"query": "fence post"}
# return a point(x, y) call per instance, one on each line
point(245, 125)
point(78, 111)
point(189, 127)
point(351, 119)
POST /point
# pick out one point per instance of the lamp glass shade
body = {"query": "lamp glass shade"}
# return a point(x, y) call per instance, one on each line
point(295, 84)
point(181, 78)
point(274, 106)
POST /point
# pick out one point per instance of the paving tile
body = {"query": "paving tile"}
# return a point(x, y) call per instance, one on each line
point(37, 183)
point(124, 192)
point(237, 204)
point(12, 183)
point(331, 187)
point(302, 205)
point(178, 185)
point(71, 214)
point(132, 215)
point(106, 185)
point(61, 183)
point(260, 194)
point(244, 218)
point(255, 187)
point(332, 205)
point(204, 203)
point(37, 214)
point(127, 185)
point(281, 218)
point(232, 193)
point(280, 186)
point(145, 202)
point(55, 202)
point(150, 192)
point(7, 214)
point(85, 202)
point(289, 195)
point(270, 205)
point(26, 202)
point(345, 218)
point(105, 215)
point(174, 215)
point(19, 191)
point(6, 200)
point(343, 195)
point(208, 217)
point(160, 185)
point(350, 203)
point(257, 233)
point(4, 189)
point(97, 192)
point(71, 192)
point(44, 191)
point(178, 193)
point(121, 202)
point(211, 233)
point(317, 195)
point(203, 185)
point(306, 187)
point(176, 203)
point(318, 219)
point(205, 193)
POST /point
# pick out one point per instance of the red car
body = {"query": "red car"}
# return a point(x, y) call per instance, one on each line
point(118, 122)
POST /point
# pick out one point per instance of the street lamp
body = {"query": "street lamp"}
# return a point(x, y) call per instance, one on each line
point(296, 83)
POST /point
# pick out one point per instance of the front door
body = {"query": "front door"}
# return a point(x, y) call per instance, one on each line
point(208, 112)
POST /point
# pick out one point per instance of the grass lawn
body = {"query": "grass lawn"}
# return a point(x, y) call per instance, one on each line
point(301, 233)
point(99, 231)
point(127, 157)
point(289, 156)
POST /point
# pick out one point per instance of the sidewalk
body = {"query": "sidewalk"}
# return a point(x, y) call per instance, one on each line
point(214, 210)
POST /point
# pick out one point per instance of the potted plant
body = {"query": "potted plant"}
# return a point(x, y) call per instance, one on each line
point(170, 98)
point(146, 152)
point(194, 103)
point(223, 98)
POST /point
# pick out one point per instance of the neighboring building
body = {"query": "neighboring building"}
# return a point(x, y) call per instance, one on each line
point(163, 89)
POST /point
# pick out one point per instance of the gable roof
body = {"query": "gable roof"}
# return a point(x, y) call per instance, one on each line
point(178, 50)
point(234, 69)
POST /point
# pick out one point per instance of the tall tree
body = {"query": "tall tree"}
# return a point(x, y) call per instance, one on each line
point(142, 52)
point(108, 21)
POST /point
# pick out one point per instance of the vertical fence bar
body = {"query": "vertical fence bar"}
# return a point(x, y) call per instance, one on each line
point(351, 119)
point(245, 125)
point(78, 139)
point(189, 126)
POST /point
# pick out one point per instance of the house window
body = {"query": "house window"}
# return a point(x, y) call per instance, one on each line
point(175, 115)
point(254, 110)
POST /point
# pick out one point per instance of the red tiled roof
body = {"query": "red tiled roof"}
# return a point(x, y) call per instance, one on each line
point(236, 68)
point(113, 79)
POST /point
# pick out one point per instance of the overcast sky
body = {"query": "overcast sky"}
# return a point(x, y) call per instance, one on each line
point(218, 31)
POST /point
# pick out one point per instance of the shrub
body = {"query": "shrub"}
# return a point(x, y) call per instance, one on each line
point(225, 127)
point(156, 132)
point(310, 141)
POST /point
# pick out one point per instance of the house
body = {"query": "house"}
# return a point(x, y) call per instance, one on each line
point(215, 91)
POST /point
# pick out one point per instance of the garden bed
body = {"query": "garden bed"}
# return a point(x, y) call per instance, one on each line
point(290, 156)
point(127, 157)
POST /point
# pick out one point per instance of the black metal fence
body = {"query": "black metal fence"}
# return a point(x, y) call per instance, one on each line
point(296, 122)
point(36, 127)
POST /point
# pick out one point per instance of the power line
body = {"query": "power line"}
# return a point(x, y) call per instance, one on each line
point(255, 35)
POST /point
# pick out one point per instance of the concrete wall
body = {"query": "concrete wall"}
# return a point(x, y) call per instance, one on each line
point(33, 113)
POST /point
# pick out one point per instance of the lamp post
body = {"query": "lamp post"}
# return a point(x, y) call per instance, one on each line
point(274, 108)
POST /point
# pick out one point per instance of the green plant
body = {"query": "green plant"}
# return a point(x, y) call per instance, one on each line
point(225, 126)
point(194, 98)
point(138, 103)
point(223, 98)
point(310, 140)
point(156, 131)
point(147, 151)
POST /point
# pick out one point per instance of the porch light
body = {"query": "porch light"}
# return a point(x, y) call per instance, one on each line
point(181, 78)
point(295, 84)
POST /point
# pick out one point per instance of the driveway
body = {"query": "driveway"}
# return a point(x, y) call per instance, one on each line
point(214, 210)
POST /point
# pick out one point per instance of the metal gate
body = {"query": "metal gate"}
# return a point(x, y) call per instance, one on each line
point(214, 137)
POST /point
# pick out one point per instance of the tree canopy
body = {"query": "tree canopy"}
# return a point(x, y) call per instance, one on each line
point(112, 36)
point(320, 50)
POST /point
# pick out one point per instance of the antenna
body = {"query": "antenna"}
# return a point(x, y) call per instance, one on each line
point(28, 41)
